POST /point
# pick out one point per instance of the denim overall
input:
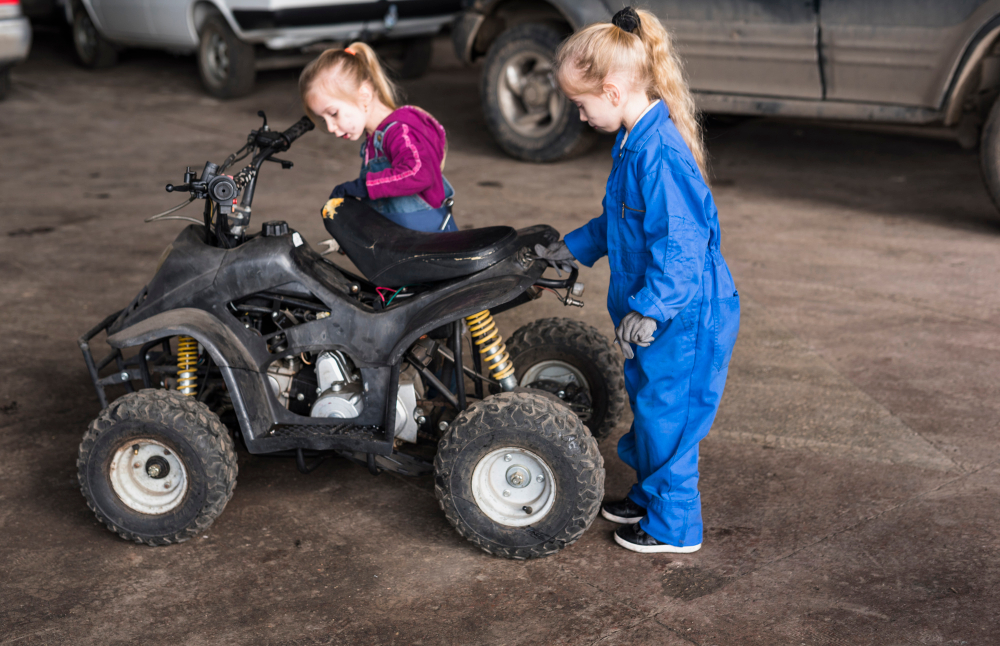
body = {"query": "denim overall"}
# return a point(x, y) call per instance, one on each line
point(410, 211)
point(660, 231)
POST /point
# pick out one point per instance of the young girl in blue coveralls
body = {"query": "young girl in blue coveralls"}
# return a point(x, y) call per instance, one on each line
point(404, 147)
point(671, 293)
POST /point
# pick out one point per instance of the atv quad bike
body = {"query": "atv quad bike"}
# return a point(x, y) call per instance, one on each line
point(257, 337)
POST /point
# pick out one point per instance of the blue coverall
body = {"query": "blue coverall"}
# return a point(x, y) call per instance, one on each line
point(660, 231)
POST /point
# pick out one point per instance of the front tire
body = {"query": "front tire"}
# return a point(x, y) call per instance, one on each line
point(560, 355)
point(519, 476)
point(157, 467)
point(92, 49)
point(227, 65)
point(527, 114)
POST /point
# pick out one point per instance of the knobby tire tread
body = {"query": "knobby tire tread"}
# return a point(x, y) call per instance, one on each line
point(202, 429)
point(498, 413)
point(570, 333)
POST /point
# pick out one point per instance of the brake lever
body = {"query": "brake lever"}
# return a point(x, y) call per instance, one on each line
point(285, 164)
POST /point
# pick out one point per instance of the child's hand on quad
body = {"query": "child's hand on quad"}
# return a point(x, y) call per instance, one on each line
point(557, 255)
point(357, 188)
point(634, 328)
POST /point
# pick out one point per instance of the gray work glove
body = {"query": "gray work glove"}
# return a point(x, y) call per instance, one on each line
point(634, 328)
point(557, 255)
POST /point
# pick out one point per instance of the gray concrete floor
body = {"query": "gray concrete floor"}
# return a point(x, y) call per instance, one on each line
point(850, 485)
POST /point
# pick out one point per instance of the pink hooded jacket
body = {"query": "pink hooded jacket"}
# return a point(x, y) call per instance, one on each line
point(416, 148)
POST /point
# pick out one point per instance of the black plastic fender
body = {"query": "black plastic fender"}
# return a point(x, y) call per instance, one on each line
point(237, 366)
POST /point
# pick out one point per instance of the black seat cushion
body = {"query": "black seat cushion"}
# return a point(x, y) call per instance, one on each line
point(392, 256)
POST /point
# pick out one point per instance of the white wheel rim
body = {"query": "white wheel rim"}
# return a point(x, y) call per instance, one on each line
point(557, 371)
point(513, 487)
point(135, 475)
point(528, 98)
point(86, 36)
point(217, 58)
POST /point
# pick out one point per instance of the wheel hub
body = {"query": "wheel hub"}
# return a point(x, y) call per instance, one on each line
point(526, 95)
point(513, 486)
point(218, 57)
point(148, 477)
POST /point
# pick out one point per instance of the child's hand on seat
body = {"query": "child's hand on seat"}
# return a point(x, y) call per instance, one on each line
point(357, 188)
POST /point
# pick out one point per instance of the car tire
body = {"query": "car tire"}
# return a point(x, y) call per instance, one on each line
point(227, 65)
point(520, 435)
point(178, 436)
point(92, 49)
point(527, 114)
point(989, 154)
point(567, 352)
point(4, 82)
point(410, 58)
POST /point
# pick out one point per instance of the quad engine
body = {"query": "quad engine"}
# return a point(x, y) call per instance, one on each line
point(339, 390)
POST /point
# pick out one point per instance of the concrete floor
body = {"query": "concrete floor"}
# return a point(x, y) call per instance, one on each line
point(850, 485)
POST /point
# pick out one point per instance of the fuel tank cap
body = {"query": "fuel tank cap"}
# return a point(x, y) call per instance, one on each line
point(275, 228)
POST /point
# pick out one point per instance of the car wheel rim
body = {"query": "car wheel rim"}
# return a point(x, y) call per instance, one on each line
point(527, 94)
point(513, 487)
point(563, 380)
point(86, 37)
point(148, 477)
point(217, 57)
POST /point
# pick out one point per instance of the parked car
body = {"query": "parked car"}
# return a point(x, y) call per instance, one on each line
point(15, 40)
point(235, 38)
point(891, 61)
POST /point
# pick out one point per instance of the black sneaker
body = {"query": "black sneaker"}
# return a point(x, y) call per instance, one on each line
point(631, 537)
point(625, 511)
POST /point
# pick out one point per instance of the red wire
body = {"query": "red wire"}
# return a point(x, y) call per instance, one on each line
point(378, 290)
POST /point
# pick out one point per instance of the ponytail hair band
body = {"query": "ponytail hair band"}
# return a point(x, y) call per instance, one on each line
point(350, 51)
point(627, 20)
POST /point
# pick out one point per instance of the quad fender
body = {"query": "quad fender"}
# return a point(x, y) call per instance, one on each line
point(237, 366)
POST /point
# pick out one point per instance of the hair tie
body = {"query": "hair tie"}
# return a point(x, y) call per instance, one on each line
point(627, 20)
point(350, 51)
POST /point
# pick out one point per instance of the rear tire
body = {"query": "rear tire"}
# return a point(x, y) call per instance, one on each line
point(528, 116)
point(227, 65)
point(989, 154)
point(541, 499)
point(157, 467)
point(560, 347)
point(92, 49)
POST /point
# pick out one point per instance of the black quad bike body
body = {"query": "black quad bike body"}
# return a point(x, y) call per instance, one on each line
point(304, 358)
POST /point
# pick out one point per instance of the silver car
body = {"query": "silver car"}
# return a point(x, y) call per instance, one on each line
point(934, 62)
point(235, 38)
point(15, 40)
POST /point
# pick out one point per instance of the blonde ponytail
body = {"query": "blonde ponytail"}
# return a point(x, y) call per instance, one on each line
point(647, 57)
point(354, 64)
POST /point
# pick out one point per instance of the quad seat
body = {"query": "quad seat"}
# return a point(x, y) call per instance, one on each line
point(392, 256)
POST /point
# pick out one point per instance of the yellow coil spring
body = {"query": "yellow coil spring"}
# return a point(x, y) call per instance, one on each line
point(485, 335)
point(187, 359)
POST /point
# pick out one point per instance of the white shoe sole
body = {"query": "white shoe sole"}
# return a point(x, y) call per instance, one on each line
point(656, 549)
point(619, 519)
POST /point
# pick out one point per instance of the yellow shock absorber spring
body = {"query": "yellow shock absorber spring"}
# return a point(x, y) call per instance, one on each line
point(187, 360)
point(486, 337)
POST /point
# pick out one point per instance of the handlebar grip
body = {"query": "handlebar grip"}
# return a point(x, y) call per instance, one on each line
point(299, 128)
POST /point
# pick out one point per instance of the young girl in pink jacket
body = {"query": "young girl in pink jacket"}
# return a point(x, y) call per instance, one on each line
point(404, 147)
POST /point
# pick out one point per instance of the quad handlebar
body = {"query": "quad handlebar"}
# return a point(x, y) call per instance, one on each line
point(223, 212)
